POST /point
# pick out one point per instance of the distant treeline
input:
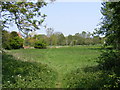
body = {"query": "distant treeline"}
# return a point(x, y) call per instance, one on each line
point(58, 38)
point(14, 40)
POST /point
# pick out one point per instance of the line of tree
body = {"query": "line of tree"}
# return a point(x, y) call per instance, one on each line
point(58, 38)
point(14, 41)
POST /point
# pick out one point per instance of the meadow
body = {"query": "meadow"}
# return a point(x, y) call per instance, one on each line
point(65, 67)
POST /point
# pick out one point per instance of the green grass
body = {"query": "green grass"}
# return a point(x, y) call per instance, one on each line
point(63, 63)
point(20, 74)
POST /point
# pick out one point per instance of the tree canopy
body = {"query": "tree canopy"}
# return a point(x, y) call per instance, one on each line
point(109, 60)
point(26, 15)
point(110, 26)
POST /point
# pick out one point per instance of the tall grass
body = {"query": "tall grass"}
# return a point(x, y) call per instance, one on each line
point(20, 74)
point(67, 67)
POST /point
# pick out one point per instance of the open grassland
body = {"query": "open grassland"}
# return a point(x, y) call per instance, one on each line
point(66, 67)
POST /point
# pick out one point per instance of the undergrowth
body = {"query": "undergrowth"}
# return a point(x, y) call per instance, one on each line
point(20, 74)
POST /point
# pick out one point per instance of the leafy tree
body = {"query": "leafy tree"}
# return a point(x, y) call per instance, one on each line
point(50, 32)
point(43, 38)
point(96, 40)
point(23, 14)
point(79, 39)
point(83, 34)
point(29, 41)
point(69, 39)
point(109, 61)
point(60, 38)
point(14, 34)
point(88, 34)
point(83, 38)
point(110, 26)
point(11, 40)
point(73, 42)
point(16, 43)
point(53, 39)
point(39, 45)
point(5, 39)
point(88, 41)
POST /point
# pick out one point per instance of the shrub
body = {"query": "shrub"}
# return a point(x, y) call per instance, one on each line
point(6, 45)
point(109, 60)
point(5, 39)
point(109, 63)
point(11, 40)
point(40, 45)
point(16, 43)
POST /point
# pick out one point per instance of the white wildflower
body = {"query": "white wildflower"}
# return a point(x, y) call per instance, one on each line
point(19, 75)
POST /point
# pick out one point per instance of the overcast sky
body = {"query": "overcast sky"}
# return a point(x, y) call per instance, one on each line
point(71, 17)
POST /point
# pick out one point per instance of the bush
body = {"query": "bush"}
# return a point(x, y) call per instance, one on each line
point(109, 63)
point(11, 40)
point(5, 39)
point(40, 45)
point(6, 45)
point(16, 43)
point(109, 60)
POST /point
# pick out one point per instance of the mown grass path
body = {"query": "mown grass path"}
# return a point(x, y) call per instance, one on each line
point(62, 60)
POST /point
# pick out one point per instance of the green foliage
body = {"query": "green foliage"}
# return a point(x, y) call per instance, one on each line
point(23, 14)
point(110, 26)
point(5, 39)
point(83, 39)
point(63, 61)
point(76, 66)
point(105, 75)
point(69, 39)
point(53, 39)
point(41, 37)
point(13, 34)
point(11, 40)
point(110, 79)
point(109, 62)
point(58, 39)
point(40, 45)
point(21, 74)
point(30, 41)
point(97, 40)
point(16, 43)
point(61, 39)
point(83, 79)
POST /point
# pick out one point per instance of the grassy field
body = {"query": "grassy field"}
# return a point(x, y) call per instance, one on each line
point(67, 67)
